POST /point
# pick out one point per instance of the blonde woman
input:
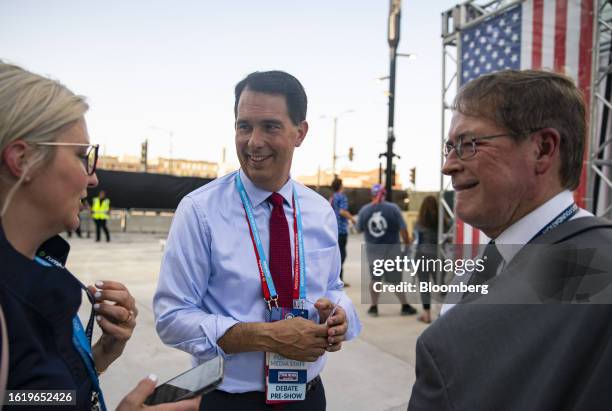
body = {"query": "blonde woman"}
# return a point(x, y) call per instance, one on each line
point(46, 165)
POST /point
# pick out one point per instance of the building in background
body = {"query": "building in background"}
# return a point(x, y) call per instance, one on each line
point(227, 164)
point(161, 165)
point(120, 163)
point(350, 179)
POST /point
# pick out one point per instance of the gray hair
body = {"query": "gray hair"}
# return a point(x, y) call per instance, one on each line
point(33, 108)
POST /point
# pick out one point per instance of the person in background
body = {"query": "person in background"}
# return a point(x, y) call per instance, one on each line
point(46, 165)
point(383, 224)
point(339, 203)
point(426, 240)
point(100, 213)
point(84, 209)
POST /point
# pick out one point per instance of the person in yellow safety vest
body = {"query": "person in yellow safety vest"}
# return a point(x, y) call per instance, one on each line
point(100, 212)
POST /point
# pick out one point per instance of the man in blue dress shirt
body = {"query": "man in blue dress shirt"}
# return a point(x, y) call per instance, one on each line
point(210, 296)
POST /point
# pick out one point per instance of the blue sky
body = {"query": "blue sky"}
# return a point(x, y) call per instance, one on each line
point(146, 65)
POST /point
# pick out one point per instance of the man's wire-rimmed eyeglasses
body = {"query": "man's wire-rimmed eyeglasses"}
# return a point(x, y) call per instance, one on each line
point(466, 145)
point(90, 159)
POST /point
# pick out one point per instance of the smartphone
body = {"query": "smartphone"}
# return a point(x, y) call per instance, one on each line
point(197, 381)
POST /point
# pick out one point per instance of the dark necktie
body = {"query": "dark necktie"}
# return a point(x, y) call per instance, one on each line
point(280, 252)
point(492, 259)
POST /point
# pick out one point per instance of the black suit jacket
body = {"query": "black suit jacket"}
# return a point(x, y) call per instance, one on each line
point(520, 357)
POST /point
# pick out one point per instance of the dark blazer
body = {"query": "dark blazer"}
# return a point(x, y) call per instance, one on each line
point(520, 357)
point(39, 304)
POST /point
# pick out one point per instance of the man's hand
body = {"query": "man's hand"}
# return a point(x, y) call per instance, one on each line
point(299, 339)
point(336, 324)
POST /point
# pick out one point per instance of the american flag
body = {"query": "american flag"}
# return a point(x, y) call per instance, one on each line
point(536, 34)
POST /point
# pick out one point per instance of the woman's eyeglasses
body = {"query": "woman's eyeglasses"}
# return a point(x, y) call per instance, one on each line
point(90, 159)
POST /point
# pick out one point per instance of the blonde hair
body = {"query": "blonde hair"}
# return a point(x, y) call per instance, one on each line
point(33, 108)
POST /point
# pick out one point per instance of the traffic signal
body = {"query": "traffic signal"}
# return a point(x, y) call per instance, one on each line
point(413, 175)
point(350, 155)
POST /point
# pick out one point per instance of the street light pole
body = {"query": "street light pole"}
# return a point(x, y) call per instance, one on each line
point(334, 138)
point(393, 40)
point(335, 156)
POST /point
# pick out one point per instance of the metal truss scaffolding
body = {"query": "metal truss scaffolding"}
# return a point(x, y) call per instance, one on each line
point(599, 161)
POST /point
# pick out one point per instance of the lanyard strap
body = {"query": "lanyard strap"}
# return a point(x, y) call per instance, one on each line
point(565, 215)
point(267, 284)
point(81, 343)
point(299, 271)
point(81, 339)
point(48, 261)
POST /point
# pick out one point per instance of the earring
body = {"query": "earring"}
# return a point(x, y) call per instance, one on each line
point(27, 179)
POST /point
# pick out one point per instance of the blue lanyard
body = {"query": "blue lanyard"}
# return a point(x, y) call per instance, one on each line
point(565, 215)
point(300, 270)
point(81, 340)
point(300, 256)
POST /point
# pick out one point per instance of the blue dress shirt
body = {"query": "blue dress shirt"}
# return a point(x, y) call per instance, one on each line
point(209, 280)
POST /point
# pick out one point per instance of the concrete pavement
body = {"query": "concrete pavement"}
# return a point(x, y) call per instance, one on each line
point(373, 373)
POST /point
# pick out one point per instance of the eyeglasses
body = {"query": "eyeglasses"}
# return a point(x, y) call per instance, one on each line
point(90, 159)
point(466, 145)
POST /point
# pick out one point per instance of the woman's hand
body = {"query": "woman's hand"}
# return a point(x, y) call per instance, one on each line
point(135, 399)
point(116, 314)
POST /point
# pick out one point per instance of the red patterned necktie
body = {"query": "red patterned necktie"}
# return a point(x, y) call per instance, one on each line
point(280, 252)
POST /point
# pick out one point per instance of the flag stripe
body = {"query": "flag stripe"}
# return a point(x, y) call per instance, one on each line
point(527, 34)
point(536, 56)
point(459, 227)
point(548, 35)
point(560, 35)
point(475, 241)
point(459, 231)
point(584, 83)
point(572, 43)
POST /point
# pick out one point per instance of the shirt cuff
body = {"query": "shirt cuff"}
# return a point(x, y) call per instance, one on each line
point(222, 324)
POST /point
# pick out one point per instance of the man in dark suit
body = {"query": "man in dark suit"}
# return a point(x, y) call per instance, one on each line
point(514, 153)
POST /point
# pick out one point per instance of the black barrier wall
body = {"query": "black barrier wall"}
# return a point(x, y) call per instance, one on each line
point(164, 192)
point(144, 190)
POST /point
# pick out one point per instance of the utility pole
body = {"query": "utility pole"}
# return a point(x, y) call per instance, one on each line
point(335, 139)
point(335, 146)
point(393, 40)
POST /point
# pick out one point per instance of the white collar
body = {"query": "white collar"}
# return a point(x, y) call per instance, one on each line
point(521, 232)
point(258, 195)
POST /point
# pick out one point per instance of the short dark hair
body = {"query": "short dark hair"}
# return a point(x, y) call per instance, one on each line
point(528, 100)
point(276, 82)
point(336, 184)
